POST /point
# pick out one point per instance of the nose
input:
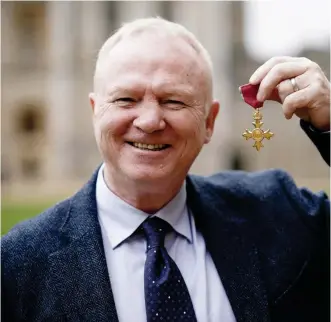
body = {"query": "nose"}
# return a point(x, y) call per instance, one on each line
point(150, 119)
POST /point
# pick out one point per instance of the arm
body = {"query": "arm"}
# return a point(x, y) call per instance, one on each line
point(311, 233)
point(313, 208)
point(319, 138)
point(303, 89)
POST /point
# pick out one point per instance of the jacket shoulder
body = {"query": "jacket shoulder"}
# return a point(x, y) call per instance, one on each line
point(270, 192)
point(259, 184)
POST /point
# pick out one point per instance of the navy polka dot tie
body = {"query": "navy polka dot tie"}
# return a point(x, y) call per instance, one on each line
point(166, 295)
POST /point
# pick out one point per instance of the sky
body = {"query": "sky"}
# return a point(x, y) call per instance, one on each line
point(283, 27)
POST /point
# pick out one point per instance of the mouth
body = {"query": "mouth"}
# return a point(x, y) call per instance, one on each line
point(149, 147)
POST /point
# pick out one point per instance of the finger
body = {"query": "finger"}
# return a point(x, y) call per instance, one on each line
point(277, 74)
point(260, 73)
point(285, 87)
point(297, 100)
point(263, 70)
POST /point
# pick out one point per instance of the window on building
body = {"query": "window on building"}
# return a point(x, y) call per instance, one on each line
point(30, 128)
point(30, 120)
point(29, 23)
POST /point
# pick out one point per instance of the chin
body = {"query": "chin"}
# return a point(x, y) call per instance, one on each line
point(148, 174)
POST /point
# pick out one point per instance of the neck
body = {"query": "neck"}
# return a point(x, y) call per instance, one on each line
point(148, 197)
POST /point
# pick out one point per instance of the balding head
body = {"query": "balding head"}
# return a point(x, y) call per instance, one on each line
point(162, 29)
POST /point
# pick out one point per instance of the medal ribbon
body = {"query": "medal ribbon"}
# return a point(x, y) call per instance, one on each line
point(248, 93)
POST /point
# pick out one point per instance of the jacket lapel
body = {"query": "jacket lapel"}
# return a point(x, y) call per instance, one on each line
point(230, 242)
point(78, 271)
point(78, 274)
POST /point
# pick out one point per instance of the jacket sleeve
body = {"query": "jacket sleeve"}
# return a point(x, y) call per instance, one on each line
point(313, 210)
point(320, 139)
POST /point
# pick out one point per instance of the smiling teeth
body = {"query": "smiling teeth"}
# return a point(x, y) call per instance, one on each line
point(149, 146)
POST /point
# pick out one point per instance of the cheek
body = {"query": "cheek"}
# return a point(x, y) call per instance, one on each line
point(189, 124)
point(113, 123)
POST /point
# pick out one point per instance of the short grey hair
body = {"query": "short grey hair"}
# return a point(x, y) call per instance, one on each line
point(160, 26)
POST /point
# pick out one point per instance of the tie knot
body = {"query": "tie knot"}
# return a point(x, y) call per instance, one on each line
point(155, 230)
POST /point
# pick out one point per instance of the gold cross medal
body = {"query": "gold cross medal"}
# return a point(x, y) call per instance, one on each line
point(248, 93)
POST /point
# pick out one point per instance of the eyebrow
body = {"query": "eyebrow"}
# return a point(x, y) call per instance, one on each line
point(119, 89)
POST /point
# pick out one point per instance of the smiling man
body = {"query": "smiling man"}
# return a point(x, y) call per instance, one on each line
point(145, 241)
point(153, 112)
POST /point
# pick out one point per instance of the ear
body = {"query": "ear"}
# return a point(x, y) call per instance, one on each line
point(92, 100)
point(210, 120)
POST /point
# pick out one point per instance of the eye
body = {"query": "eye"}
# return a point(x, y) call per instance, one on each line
point(125, 99)
point(174, 102)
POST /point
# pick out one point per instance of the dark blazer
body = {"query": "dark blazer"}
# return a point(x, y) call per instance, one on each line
point(268, 239)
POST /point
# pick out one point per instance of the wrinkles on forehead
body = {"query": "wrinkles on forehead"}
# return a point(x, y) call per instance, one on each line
point(148, 56)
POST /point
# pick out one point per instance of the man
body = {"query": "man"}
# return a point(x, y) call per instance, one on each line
point(145, 241)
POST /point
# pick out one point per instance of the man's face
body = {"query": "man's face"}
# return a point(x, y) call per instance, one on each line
point(149, 112)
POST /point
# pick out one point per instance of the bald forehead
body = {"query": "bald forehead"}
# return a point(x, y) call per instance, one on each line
point(176, 52)
point(154, 51)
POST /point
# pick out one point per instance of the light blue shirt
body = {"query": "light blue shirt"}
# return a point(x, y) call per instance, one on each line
point(125, 256)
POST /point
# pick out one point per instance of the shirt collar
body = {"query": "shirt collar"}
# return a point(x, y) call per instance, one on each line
point(121, 220)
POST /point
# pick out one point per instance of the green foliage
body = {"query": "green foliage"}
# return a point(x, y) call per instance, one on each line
point(15, 212)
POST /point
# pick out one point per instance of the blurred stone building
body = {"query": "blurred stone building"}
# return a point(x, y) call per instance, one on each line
point(48, 54)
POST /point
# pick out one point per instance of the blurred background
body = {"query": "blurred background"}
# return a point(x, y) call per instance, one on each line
point(48, 54)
